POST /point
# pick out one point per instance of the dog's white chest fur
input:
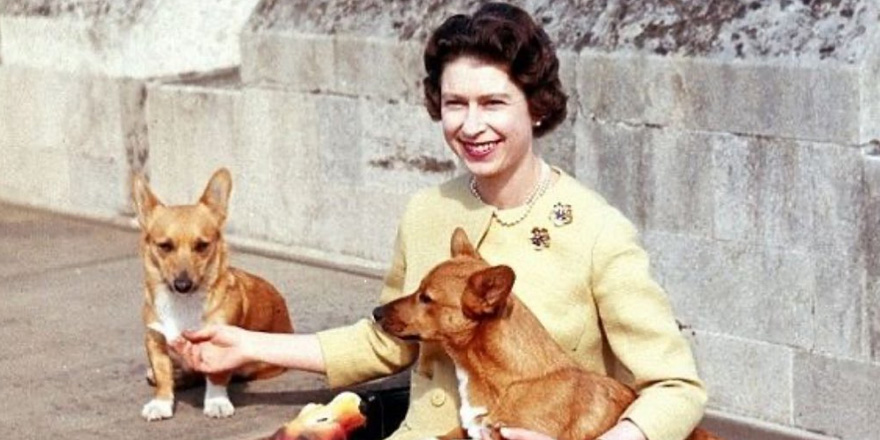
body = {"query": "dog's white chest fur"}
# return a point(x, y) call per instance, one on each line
point(470, 415)
point(177, 312)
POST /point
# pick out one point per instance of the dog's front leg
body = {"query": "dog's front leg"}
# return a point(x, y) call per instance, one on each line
point(162, 404)
point(217, 403)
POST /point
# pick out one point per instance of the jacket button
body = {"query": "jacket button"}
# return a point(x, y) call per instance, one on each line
point(438, 398)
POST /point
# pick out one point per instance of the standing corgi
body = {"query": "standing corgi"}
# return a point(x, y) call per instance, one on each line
point(188, 283)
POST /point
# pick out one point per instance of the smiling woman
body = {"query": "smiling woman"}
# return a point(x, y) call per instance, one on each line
point(493, 83)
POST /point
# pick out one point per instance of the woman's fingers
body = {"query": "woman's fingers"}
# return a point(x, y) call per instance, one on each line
point(523, 434)
point(191, 354)
point(203, 334)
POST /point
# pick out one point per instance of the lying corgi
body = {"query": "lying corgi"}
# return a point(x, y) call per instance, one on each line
point(188, 283)
point(511, 372)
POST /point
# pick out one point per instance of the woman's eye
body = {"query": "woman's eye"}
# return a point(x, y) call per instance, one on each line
point(165, 246)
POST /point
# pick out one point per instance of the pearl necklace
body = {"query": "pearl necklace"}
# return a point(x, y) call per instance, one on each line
point(537, 192)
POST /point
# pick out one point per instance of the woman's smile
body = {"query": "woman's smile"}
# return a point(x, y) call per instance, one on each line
point(479, 150)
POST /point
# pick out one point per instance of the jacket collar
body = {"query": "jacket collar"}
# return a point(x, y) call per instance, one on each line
point(467, 212)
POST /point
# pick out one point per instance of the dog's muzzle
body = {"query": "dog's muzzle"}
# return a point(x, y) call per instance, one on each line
point(183, 284)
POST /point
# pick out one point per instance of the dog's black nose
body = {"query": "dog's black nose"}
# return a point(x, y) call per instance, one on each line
point(183, 284)
point(378, 312)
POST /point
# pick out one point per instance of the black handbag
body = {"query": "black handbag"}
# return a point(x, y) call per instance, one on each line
point(385, 410)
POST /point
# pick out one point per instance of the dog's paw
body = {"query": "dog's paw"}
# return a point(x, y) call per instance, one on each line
point(158, 409)
point(219, 407)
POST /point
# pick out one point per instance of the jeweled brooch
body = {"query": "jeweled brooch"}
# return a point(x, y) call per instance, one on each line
point(540, 238)
point(561, 214)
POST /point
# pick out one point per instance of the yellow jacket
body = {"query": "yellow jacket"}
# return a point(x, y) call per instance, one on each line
point(591, 288)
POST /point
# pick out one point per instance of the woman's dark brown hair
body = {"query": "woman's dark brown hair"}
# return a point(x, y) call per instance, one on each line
point(505, 35)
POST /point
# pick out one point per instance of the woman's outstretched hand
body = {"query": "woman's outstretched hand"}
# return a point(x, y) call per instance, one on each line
point(213, 348)
point(520, 434)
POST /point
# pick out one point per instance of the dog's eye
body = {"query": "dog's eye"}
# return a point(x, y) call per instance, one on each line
point(201, 246)
point(165, 246)
point(425, 299)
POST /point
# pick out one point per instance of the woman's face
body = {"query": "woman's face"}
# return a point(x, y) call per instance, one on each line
point(485, 117)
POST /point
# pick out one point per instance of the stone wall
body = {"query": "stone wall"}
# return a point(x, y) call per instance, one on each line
point(740, 136)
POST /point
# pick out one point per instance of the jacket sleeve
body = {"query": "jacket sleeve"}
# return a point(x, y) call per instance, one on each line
point(362, 351)
point(642, 332)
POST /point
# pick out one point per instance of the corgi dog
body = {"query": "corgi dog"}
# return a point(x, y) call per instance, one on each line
point(510, 370)
point(188, 283)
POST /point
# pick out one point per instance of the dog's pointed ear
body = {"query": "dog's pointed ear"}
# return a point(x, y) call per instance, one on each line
point(487, 292)
point(144, 200)
point(216, 195)
point(461, 245)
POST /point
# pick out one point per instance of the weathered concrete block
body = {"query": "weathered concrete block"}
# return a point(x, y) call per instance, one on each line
point(662, 179)
point(759, 293)
point(340, 64)
point(682, 197)
point(68, 130)
point(193, 131)
point(818, 102)
point(300, 62)
point(50, 108)
point(279, 139)
point(380, 68)
point(133, 117)
point(838, 196)
point(872, 249)
point(735, 372)
point(98, 185)
point(840, 326)
point(836, 396)
point(340, 153)
point(737, 188)
point(403, 149)
point(766, 192)
point(130, 40)
point(870, 87)
point(615, 160)
point(782, 192)
point(35, 176)
point(784, 188)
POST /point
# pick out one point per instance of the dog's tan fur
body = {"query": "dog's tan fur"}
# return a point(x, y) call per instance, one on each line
point(516, 374)
point(184, 246)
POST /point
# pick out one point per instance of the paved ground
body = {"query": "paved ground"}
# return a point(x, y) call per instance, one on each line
point(72, 361)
